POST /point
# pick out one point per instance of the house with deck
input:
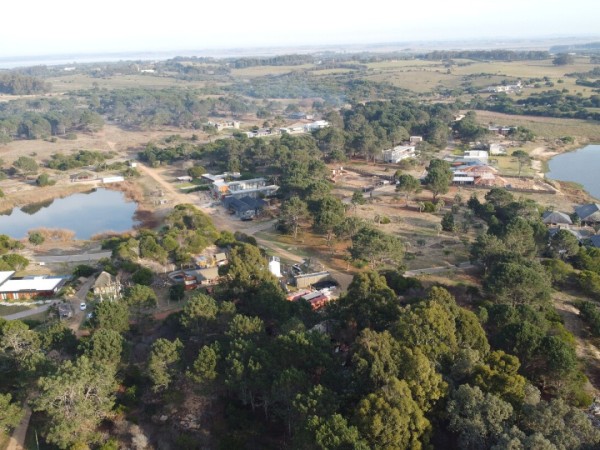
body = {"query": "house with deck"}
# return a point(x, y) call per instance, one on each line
point(256, 187)
point(28, 287)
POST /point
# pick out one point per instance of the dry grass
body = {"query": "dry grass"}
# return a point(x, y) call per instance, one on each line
point(55, 234)
point(81, 81)
point(261, 71)
point(131, 190)
point(546, 127)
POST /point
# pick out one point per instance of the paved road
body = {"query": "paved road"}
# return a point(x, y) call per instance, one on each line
point(81, 257)
point(29, 312)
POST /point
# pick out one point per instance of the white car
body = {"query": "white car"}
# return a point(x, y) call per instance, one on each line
point(82, 306)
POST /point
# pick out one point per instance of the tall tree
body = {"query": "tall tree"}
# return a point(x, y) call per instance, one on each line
point(75, 400)
point(162, 363)
point(376, 247)
point(407, 184)
point(523, 159)
point(439, 177)
point(477, 418)
point(10, 413)
point(111, 316)
point(293, 213)
point(390, 418)
point(328, 213)
point(564, 244)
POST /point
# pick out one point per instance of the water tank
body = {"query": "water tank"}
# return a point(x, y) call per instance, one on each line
point(275, 266)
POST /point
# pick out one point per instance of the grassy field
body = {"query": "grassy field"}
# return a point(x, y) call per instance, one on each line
point(546, 127)
point(80, 81)
point(261, 71)
point(7, 310)
point(424, 76)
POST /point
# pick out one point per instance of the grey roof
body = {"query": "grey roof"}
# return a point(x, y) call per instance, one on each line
point(595, 240)
point(589, 213)
point(576, 233)
point(243, 204)
point(255, 203)
point(556, 217)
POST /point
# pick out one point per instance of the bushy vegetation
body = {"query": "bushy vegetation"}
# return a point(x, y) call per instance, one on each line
point(16, 84)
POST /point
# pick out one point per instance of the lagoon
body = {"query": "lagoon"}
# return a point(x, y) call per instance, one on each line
point(581, 166)
point(86, 214)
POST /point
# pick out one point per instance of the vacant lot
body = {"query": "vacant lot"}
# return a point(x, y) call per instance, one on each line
point(546, 127)
point(82, 81)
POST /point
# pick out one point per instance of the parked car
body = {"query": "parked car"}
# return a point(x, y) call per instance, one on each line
point(82, 306)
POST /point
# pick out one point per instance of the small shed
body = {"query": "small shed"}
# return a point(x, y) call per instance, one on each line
point(65, 311)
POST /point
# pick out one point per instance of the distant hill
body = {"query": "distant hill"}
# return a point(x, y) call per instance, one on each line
point(592, 47)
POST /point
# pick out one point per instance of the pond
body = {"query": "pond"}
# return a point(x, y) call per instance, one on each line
point(581, 166)
point(86, 214)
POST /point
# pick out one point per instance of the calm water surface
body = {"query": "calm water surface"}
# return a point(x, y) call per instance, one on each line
point(581, 166)
point(85, 214)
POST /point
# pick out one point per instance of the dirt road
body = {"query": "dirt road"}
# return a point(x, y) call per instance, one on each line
point(17, 440)
point(223, 222)
point(177, 196)
point(587, 351)
point(29, 312)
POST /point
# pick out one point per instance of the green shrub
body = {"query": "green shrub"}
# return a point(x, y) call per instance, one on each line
point(429, 207)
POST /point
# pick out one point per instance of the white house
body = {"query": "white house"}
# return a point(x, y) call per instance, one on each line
point(318, 125)
point(497, 149)
point(398, 153)
point(476, 155)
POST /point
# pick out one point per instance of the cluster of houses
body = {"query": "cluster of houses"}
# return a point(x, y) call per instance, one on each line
point(588, 216)
point(504, 88)
point(204, 273)
point(317, 299)
point(244, 198)
point(472, 169)
point(296, 128)
point(29, 287)
point(502, 130)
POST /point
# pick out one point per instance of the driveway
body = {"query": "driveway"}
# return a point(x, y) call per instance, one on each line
point(29, 312)
point(81, 257)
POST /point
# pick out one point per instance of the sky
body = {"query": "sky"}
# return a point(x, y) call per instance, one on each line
point(51, 27)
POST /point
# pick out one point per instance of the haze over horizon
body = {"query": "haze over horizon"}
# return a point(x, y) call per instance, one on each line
point(63, 27)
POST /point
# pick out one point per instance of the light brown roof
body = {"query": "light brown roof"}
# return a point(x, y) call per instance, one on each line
point(104, 279)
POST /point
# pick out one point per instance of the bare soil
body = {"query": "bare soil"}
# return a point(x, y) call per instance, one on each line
point(586, 346)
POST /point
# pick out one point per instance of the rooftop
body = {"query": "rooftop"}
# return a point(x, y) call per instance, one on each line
point(586, 211)
point(5, 275)
point(556, 217)
point(35, 284)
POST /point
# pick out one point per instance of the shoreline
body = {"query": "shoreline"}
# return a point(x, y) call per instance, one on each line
point(544, 168)
point(144, 216)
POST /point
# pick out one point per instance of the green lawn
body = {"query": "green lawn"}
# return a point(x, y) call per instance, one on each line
point(7, 310)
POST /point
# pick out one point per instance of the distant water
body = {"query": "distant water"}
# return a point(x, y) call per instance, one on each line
point(11, 62)
point(581, 166)
point(85, 214)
